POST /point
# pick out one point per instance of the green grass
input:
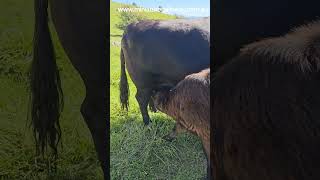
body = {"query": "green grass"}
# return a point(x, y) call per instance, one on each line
point(136, 152)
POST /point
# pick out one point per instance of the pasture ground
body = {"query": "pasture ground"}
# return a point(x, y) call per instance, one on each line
point(136, 152)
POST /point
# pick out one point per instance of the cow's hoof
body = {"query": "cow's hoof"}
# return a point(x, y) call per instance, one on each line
point(168, 138)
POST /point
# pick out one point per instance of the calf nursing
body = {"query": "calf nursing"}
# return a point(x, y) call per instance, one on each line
point(189, 104)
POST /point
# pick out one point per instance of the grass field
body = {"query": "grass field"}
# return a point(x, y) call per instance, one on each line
point(136, 152)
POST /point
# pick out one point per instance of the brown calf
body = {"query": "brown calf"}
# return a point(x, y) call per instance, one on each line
point(189, 104)
point(265, 104)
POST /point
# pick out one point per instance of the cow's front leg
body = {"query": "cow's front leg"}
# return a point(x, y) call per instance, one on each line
point(177, 129)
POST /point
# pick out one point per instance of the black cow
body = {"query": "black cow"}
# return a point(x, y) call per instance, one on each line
point(158, 53)
point(237, 23)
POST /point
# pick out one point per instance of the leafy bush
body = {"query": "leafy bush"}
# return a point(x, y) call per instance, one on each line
point(127, 17)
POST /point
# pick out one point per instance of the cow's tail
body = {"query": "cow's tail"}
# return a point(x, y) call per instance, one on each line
point(123, 85)
point(45, 86)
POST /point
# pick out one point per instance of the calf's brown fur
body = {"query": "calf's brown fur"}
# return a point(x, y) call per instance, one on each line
point(266, 110)
point(189, 104)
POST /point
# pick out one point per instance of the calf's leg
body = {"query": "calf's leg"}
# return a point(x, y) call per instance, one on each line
point(206, 148)
point(177, 129)
point(152, 106)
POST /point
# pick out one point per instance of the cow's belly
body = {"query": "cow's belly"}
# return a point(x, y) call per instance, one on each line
point(156, 68)
point(151, 78)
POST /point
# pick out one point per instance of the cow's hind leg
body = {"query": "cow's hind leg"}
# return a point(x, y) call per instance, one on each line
point(143, 97)
point(94, 112)
point(177, 129)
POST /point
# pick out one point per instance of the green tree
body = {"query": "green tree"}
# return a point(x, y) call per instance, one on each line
point(127, 17)
point(160, 8)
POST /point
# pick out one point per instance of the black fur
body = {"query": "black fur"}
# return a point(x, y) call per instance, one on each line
point(47, 97)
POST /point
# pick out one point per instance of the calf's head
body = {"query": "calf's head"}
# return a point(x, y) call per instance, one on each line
point(161, 96)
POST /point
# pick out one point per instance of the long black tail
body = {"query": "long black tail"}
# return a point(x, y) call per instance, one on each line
point(46, 93)
point(123, 86)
